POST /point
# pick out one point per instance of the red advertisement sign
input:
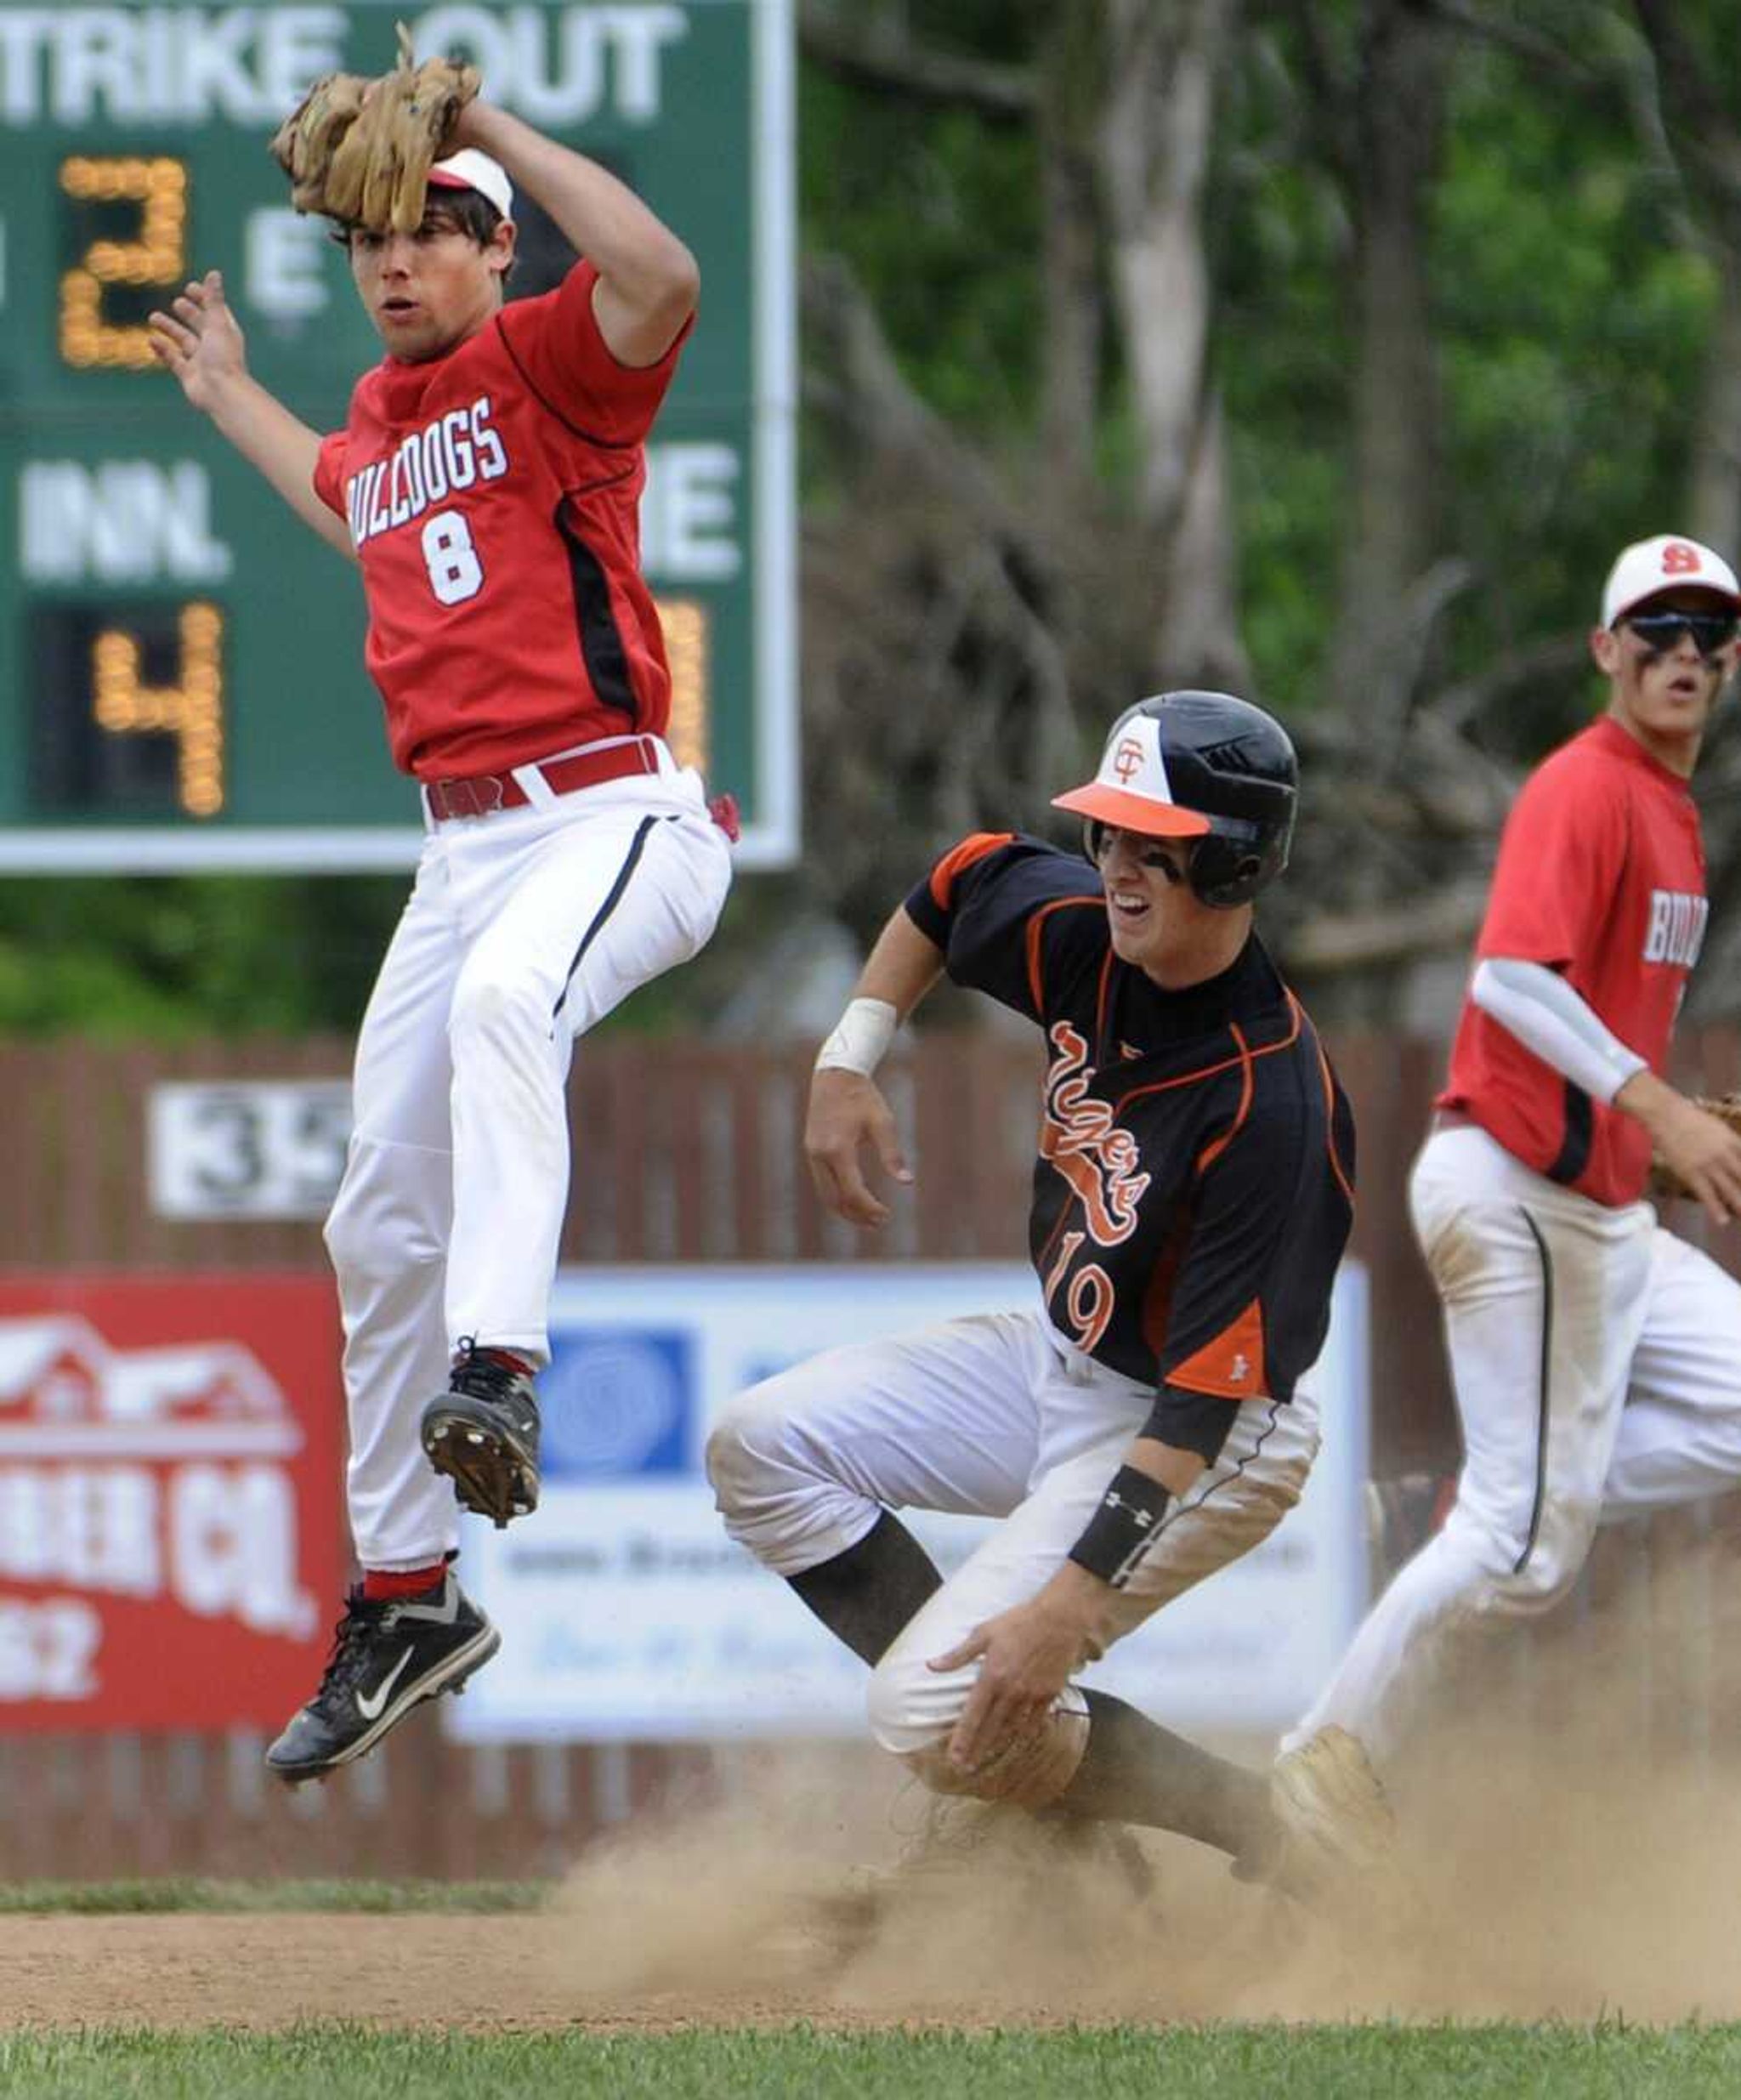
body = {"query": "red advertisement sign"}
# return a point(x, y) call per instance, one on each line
point(169, 1471)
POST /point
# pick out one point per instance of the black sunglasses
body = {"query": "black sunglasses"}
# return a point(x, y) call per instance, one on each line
point(1662, 631)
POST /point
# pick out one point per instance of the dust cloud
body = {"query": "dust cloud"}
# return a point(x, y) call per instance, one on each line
point(1572, 1821)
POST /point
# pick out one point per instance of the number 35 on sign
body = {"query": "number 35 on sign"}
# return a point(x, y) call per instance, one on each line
point(265, 1149)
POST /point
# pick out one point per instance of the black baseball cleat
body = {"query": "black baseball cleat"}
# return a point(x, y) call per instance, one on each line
point(483, 1434)
point(387, 1655)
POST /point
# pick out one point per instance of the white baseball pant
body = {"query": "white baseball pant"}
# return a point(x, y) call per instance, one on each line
point(995, 1416)
point(1596, 1363)
point(524, 928)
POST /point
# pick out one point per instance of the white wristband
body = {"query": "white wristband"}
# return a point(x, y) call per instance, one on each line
point(861, 1035)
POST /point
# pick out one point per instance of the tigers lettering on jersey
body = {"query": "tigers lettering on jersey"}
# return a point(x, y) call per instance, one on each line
point(1676, 932)
point(1190, 1202)
point(1079, 1136)
point(444, 457)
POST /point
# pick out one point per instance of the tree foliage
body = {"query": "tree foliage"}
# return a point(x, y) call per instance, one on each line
point(1328, 347)
point(1467, 274)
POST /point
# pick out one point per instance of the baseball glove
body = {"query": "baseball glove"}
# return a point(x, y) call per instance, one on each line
point(360, 150)
point(1666, 1185)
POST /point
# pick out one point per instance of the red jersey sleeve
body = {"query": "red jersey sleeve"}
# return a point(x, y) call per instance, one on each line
point(1560, 856)
point(555, 341)
point(329, 472)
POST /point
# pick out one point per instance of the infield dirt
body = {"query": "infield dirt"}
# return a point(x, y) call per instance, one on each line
point(1549, 1886)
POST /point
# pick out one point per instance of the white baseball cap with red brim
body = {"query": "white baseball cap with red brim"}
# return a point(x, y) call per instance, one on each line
point(1668, 562)
point(1131, 790)
point(469, 169)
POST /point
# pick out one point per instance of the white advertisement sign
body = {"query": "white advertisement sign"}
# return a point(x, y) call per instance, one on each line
point(246, 1148)
point(627, 1615)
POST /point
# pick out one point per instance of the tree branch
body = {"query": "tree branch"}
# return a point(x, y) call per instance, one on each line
point(1705, 148)
point(866, 395)
point(1685, 83)
point(1326, 92)
point(1330, 943)
point(1539, 51)
point(1458, 706)
point(885, 57)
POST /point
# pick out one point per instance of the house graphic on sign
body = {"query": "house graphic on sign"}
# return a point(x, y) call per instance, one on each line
point(65, 1394)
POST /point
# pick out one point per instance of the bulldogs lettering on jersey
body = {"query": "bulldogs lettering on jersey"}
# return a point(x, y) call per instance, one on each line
point(442, 459)
point(1676, 931)
point(517, 460)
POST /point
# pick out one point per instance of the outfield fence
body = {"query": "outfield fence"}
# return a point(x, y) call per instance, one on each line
point(685, 1152)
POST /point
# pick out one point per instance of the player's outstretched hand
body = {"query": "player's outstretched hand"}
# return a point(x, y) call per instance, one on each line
point(200, 340)
point(848, 1112)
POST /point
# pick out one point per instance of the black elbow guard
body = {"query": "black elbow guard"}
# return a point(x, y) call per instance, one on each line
point(1191, 1422)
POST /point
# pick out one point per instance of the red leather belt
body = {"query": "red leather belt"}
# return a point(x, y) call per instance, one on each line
point(481, 794)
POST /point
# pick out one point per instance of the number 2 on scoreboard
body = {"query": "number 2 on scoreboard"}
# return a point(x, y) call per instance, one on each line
point(155, 260)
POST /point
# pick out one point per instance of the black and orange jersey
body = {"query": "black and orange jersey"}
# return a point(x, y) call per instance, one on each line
point(1195, 1186)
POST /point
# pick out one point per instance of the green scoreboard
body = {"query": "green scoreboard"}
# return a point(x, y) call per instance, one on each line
point(181, 680)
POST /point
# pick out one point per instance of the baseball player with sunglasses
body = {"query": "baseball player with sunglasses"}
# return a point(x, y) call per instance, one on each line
point(487, 482)
point(1595, 1358)
point(1140, 1426)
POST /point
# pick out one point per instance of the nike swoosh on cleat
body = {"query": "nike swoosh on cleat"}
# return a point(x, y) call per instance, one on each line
point(369, 1705)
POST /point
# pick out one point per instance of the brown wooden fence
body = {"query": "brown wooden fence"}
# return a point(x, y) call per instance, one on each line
point(683, 1152)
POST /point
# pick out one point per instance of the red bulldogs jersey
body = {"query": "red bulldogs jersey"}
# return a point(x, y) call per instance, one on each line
point(1193, 1189)
point(1601, 877)
point(492, 497)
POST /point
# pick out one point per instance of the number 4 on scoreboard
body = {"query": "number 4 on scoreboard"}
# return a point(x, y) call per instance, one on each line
point(128, 709)
point(191, 710)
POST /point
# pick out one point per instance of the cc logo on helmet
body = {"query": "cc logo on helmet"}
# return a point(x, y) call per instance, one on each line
point(1128, 757)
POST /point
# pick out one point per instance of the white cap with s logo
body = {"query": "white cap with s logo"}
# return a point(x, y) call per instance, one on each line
point(1668, 562)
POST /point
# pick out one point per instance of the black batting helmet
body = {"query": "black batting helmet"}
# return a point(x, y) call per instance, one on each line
point(1202, 766)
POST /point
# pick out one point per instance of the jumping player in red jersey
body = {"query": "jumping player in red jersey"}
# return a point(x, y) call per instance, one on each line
point(486, 481)
point(1140, 1426)
point(1596, 1359)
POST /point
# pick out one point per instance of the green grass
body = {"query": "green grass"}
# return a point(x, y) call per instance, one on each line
point(189, 1893)
point(1275, 2063)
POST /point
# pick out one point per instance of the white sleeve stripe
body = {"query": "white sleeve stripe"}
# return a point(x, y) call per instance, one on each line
point(1537, 1006)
